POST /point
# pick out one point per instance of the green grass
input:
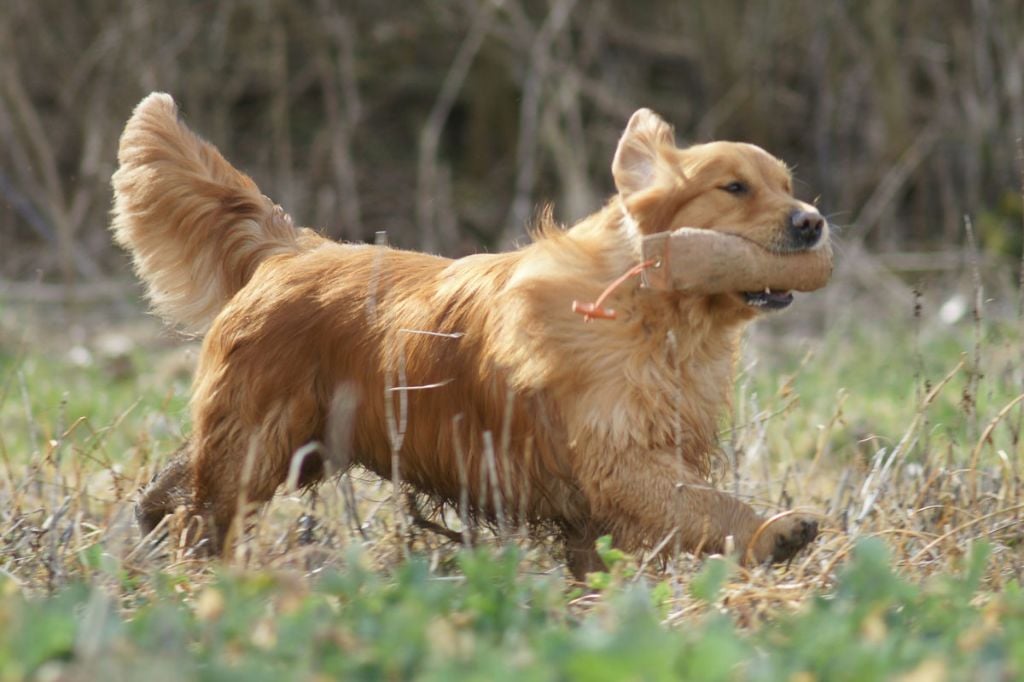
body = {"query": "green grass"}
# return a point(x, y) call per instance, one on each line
point(884, 371)
point(916, 571)
point(103, 407)
point(493, 622)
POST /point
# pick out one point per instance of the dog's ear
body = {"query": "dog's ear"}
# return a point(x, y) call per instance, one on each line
point(637, 154)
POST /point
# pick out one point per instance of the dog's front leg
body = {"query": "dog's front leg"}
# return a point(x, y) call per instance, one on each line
point(710, 516)
point(657, 499)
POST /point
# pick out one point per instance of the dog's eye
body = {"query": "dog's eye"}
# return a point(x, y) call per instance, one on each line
point(736, 187)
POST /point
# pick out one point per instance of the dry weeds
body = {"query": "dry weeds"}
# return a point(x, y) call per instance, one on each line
point(948, 475)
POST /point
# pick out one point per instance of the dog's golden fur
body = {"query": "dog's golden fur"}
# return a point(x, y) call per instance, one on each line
point(601, 428)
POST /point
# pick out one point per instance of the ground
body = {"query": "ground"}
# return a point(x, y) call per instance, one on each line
point(895, 417)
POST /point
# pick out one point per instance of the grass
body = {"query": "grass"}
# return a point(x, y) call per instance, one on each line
point(891, 424)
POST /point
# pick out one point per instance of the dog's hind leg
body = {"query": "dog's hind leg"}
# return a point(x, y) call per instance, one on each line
point(580, 555)
point(239, 466)
point(170, 488)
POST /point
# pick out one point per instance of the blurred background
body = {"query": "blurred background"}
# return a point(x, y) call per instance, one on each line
point(446, 123)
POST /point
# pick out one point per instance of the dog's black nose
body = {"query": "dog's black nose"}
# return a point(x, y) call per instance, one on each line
point(806, 227)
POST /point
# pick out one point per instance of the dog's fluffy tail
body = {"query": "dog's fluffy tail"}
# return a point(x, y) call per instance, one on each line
point(196, 227)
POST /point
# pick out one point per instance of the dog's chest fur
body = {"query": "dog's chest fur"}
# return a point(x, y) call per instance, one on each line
point(657, 378)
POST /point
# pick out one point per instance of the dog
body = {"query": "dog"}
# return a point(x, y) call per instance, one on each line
point(469, 380)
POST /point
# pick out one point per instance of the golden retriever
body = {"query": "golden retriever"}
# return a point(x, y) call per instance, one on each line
point(472, 377)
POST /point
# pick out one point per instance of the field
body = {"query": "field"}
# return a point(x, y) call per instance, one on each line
point(891, 403)
point(894, 414)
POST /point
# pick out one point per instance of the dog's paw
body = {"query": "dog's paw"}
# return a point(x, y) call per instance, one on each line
point(800, 533)
point(783, 538)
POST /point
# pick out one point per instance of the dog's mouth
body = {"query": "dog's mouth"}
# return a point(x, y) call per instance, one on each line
point(769, 299)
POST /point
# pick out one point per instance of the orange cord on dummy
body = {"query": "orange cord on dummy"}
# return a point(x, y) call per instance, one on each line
point(591, 311)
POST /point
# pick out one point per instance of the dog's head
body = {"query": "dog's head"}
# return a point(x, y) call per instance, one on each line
point(724, 186)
